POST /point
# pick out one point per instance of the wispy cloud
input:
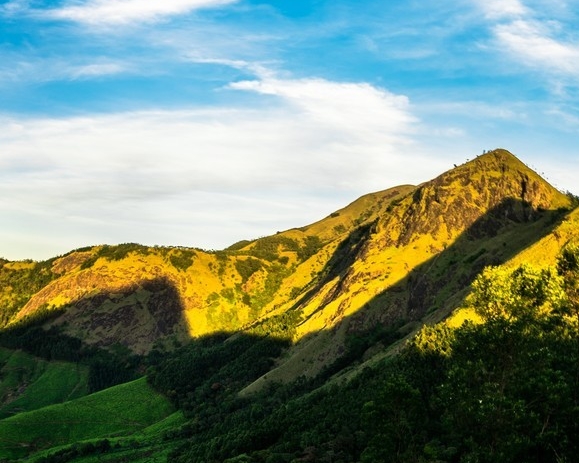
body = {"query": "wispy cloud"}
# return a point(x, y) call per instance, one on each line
point(534, 44)
point(478, 110)
point(355, 108)
point(115, 12)
point(500, 9)
point(547, 45)
point(97, 69)
point(40, 69)
point(570, 121)
point(14, 7)
point(312, 121)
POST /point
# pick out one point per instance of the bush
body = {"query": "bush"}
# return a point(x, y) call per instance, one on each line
point(247, 267)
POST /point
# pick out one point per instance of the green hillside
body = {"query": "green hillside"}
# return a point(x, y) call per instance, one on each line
point(118, 411)
point(28, 383)
point(429, 323)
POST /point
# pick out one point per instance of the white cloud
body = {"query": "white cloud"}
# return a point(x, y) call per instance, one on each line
point(531, 42)
point(199, 177)
point(548, 45)
point(570, 121)
point(22, 69)
point(96, 70)
point(353, 107)
point(14, 7)
point(115, 12)
point(328, 126)
point(257, 69)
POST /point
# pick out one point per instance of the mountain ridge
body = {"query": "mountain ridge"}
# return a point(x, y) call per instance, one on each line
point(316, 275)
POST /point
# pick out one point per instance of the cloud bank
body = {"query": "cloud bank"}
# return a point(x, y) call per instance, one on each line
point(317, 145)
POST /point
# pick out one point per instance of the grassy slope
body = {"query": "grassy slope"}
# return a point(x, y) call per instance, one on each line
point(28, 383)
point(120, 410)
point(145, 446)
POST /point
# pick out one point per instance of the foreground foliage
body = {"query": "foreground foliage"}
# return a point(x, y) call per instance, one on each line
point(501, 390)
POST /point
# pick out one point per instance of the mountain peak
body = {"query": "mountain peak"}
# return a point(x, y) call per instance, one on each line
point(500, 159)
point(500, 154)
point(507, 177)
point(502, 163)
point(495, 185)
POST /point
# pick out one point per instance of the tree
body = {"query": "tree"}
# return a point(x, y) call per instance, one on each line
point(394, 420)
point(527, 294)
point(568, 269)
point(509, 392)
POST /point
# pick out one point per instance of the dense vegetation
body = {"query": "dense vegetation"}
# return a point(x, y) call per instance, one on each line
point(114, 252)
point(208, 373)
point(502, 390)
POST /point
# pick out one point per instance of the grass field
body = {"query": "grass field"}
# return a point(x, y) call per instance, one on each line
point(144, 446)
point(28, 383)
point(119, 411)
point(137, 452)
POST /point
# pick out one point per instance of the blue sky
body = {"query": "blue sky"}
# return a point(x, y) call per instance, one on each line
point(204, 122)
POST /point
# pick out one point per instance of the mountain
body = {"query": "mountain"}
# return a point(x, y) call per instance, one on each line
point(318, 303)
point(379, 257)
